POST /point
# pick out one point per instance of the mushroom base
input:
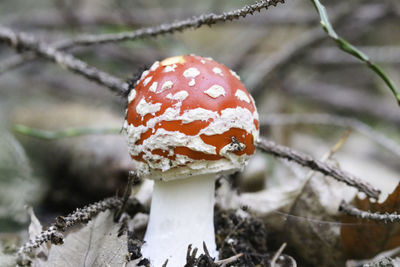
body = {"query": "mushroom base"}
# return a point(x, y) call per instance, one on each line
point(182, 213)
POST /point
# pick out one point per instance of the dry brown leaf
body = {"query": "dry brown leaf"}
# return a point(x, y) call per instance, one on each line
point(310, 229)
point(94, 244)
point(7, 260)
point(363, 238)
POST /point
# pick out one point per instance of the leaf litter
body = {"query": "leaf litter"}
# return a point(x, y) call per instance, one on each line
point(363, 238)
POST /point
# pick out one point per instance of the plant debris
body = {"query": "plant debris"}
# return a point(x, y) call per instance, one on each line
point(363, 238)
point(237, 232)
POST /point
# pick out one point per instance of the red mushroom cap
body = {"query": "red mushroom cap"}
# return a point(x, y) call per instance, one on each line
point(190, 115)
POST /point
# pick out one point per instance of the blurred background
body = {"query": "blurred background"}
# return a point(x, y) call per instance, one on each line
point(308, 93)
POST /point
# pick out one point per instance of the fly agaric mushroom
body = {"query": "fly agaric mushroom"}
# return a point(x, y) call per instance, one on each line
point(188, 120)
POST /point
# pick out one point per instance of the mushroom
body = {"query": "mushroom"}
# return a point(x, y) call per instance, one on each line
point(188, 120)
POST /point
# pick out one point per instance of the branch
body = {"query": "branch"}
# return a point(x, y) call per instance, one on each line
point(328, 119)
point(355, 101)
point(16, 61)
point(177, 26)
point(191, 23)
point(288, 52)
point(387, 54)
point(53, 233)
point(317, 165)
point(376, 216)
point(22, 41)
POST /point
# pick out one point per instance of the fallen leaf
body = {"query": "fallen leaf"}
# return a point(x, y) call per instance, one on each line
point(307, 219)
point(35, 227)
point(7, 260)
point(312, 228)
point(363, 238)
point(94, 244)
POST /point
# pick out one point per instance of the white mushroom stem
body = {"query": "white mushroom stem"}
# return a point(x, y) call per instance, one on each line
point(182, 213)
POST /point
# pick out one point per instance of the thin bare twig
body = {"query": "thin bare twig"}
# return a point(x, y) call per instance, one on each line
point(23, 41)
point(277, 254)
point(280, 58)
point(288, 52)
point(317, 165)
point(388, 54)
point(331, 96)
point(375, 216)
point(329, 119)
point(127, 193)
point(226, 261)
point(16, 61)
point(177, 26)
point(191, 23)
point(296, 48)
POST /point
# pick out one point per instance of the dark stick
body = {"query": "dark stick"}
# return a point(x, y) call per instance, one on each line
point(317, 165)
point(127, 194)
point(22, 41)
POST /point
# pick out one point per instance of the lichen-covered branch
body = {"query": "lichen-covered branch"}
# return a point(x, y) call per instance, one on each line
point(177, 26)
point(317, 165)
point(375, 216)
point(191, 23)
point(54, 232)
point(23, 41)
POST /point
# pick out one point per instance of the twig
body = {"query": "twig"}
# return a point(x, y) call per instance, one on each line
point(226, 261)
point(375, 216)
point(177, 26)
point(331, 55)
point(191, 23)
point(328, 119)
point(53, 233)
point(297, 47)
point(283, 56)
point(331, 96)
point(277, 254)
point(287, 52)
point(70, 132)
point(352, 50)
point(191, 256)
point(382, 259)
point(139, 16)
point(128, 189)
point(22, 41)
point(317, 165)
point(329, 154)
point(16, 61)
